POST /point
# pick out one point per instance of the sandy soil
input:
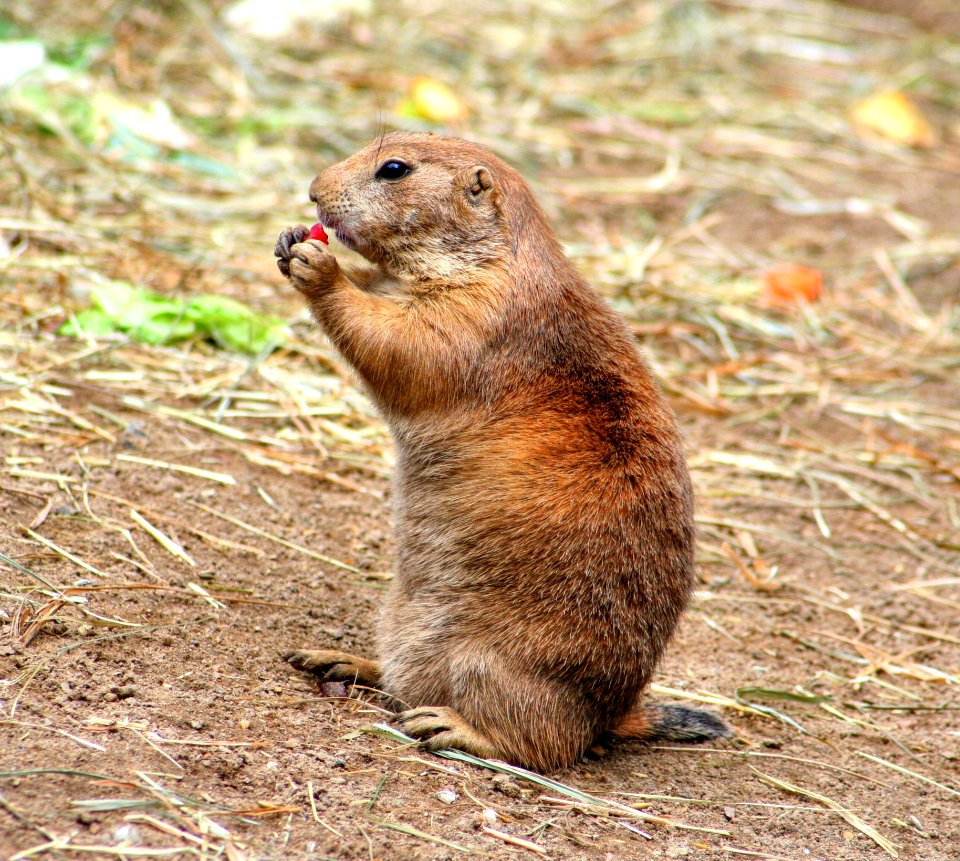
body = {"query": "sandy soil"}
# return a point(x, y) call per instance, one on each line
point(235, 727)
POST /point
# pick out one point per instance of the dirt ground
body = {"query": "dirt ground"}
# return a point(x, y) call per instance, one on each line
point(144, 708)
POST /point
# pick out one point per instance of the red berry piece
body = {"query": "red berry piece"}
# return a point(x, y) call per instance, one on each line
point(317, 232)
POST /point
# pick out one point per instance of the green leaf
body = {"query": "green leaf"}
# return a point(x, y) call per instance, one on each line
point(79, 53)
point(774, 694)
point(234, 325)
point(163, 327)
point(91, 323)
point(105, 805)
point(124, 303)
point(131, 146)
point(150, 318)
point(202, 165)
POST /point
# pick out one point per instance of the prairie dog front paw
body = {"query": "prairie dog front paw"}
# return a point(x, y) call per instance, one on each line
point(283, 250)
point(313, 269)
point(308, 263)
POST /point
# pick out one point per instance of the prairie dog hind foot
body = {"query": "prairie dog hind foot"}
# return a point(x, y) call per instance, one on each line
point(441, 728)
point(333, 666)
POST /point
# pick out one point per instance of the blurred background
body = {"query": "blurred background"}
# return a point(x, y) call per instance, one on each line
point(691, 144)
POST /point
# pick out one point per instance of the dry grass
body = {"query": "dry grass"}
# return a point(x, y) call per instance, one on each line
point(682, 148)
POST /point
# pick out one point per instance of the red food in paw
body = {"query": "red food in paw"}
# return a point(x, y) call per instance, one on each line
point(317, 232)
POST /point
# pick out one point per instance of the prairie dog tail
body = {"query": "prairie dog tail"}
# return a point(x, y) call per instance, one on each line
point(670, 723)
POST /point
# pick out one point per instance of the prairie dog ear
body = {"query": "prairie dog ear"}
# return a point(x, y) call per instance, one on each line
point(477, 182)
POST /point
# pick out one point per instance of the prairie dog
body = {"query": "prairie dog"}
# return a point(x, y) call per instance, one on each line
point(543, 509)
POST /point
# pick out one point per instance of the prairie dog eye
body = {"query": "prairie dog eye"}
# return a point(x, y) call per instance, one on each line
point(393, 170)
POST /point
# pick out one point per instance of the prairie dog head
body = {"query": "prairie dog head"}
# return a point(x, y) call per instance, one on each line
point(424, 207)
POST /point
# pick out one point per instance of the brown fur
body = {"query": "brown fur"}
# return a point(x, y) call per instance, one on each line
point(544, 514)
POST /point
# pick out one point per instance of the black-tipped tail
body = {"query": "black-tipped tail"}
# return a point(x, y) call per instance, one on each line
point(671, 723)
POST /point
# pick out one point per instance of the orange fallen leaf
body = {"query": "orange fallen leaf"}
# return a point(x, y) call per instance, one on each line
point(894, 115)
point(791, 283)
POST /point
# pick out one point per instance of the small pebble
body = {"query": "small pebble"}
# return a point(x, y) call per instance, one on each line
point(333, 689)
point(507, 785)
point(447, 796)
point(129, 834)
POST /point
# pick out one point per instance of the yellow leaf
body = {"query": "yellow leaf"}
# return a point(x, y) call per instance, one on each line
point(893, 115)
point(435, 101)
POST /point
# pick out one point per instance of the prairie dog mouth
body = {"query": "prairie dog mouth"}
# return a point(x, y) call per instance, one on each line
point(337, 227)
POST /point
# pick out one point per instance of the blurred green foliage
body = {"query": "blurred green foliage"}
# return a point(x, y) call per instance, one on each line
point(147, 317)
